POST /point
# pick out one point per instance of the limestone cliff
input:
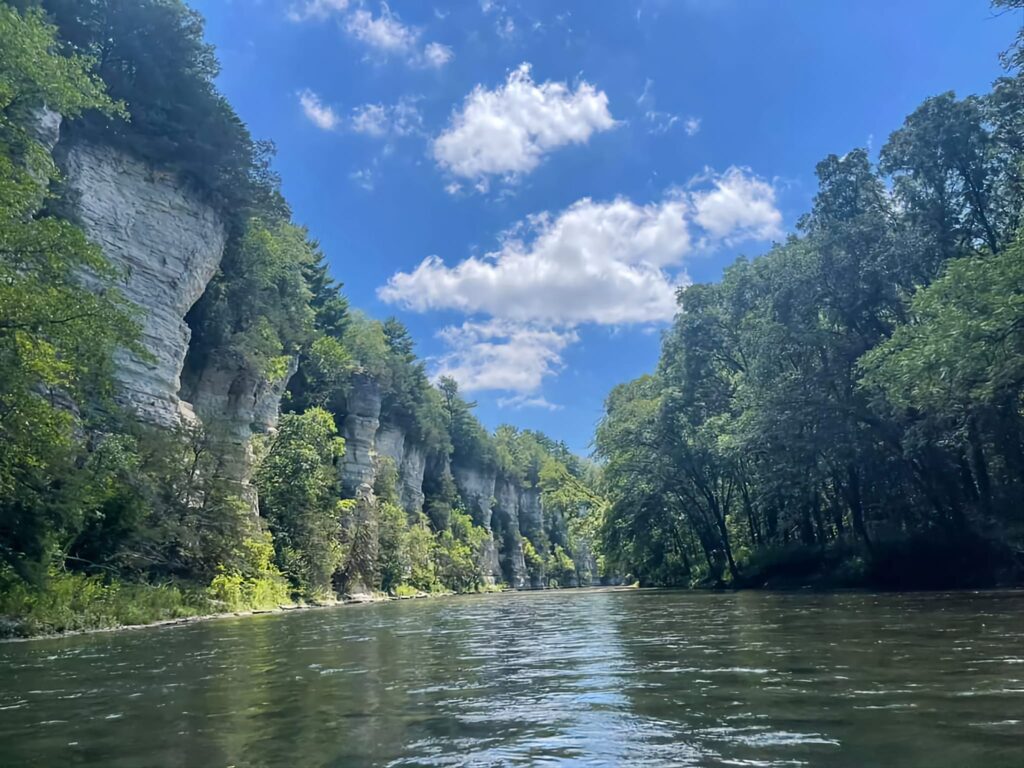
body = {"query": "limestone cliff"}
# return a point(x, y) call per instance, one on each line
point(359, 428)
point(504, 507)
point(168, 243)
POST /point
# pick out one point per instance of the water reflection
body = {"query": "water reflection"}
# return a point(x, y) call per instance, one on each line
point(555, 678)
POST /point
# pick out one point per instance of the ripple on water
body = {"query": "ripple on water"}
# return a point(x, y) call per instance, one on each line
point(634, 679)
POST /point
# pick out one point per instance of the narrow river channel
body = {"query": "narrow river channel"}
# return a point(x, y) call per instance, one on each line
point(554, 678)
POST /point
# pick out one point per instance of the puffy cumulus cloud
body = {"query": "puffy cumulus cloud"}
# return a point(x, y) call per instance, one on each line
point(321, 115)
point(605, 263)
point(508, 130)
point(316, 9)
point(692, 126)
point(596, 262)
point(503, 356)
point(738, 206)
point(387, 35)
point(386, 120)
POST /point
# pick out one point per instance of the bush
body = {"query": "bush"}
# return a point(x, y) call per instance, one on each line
point(255, 584)
point(68, 602)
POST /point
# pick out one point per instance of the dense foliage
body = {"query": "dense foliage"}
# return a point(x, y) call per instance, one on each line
point(104, 520)
point(56, 338)
point(848, 407)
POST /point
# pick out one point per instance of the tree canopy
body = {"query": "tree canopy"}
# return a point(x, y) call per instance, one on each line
point(848, 406)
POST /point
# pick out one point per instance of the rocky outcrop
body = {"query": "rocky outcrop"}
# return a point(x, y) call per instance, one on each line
point(531, 514)
point(389, 444)
point(586, 564)
point(368, 440)
point(506, 525)
point(359, 428)
point(167, 243)
point(511, 512)
point(410, 462)
point(410, 477)
point(234, 402)
point(476, 487)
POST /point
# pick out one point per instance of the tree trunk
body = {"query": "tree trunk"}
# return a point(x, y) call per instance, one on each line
point(856, 504)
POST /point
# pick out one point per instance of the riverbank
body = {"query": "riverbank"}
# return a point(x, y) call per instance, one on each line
point(12, 631)
point(197, 618)
point(74, 603)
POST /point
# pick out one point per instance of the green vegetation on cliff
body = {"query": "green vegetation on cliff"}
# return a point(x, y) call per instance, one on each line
point(105, 520)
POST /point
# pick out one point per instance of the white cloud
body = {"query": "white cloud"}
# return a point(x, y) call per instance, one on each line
point(385, 32)
point(609, 263)
point(596, 262)
point(437, 55)
point(646, 98)
point(507, 131)
point(321, 115)
point(316, 9)
point(387, 120)
point(387, 35)
point(500, 355)
point(692, 126)
point(739, 206)
point(371, 119)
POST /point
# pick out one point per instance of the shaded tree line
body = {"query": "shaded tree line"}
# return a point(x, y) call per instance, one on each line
point(847, 408)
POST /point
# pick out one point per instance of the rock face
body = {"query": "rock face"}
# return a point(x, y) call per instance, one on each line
point(477, 490)
point(511, 512)
point(476, 487)
point(168, 244)
point(410, 476)
point(368, 440)
point(359, 428)
point(234, 402)
point(410, 462)
point(531, 514)
point(507, 529)
point(45, 127)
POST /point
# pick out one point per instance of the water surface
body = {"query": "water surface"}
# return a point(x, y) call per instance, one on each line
point(555, 678)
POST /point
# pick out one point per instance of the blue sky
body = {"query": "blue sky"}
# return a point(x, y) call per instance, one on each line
point(524, 183)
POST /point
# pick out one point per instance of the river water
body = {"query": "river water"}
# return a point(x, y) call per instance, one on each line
point(553, 678)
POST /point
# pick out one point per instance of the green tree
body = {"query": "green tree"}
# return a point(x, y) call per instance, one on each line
point(152, 56)
point(299, 498)
point(57, 334)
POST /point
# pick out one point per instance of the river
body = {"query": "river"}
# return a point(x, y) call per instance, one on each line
point(555, 678)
